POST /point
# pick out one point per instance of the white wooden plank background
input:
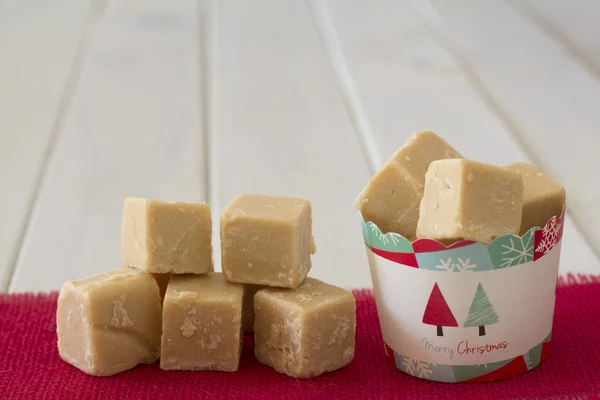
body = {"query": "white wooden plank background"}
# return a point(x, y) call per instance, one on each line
point(574, 24)
point(133, 130)
point(552, 101)
point(34, 87)
point(204, 99)
point(404, 52)
point(280, 127)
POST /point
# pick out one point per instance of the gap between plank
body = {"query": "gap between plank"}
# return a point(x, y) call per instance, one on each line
point(96, 11)
point(204, 16)
point(207, 9)
point(329, 39)
point(435, 24)
point(548, 28)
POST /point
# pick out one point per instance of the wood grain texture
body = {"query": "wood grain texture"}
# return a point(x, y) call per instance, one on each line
point(302, 98)
point(280, 127)
point(574, 24)
point(133, 131)
point(549, 97)
point(407, 81)
point(39, 43)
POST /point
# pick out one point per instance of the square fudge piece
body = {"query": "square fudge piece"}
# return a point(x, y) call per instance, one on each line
point(469, 200)
point(305, 332)
point(166, 237)
point(543, 198)
point(202, 323)
point(110, 322)
point(266, 240)
point(248, 309)
point(391, 198)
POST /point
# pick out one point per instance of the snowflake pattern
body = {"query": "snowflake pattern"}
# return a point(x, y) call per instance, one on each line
point(390, 238)
point(420, 369)
point(389, 241)
point(550, 235)
point(376, 231)
point(385, 239)
point(518, 252)
point(460, 266)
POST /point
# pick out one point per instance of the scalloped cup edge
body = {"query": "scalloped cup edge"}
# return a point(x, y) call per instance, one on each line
point(392, 236)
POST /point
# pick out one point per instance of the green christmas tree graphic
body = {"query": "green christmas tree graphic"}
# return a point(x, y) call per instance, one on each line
point(481, 312)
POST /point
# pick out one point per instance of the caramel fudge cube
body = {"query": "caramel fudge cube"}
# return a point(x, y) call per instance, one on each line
point(266, 240)
point(202, 323)
point(305, 332)
point(543, 198)
point(109, 323)
point(391, 198)
point(166, 237)
point(248, 309)
point(465, 199)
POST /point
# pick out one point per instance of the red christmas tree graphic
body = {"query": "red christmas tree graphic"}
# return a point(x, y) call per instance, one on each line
point(437, 311)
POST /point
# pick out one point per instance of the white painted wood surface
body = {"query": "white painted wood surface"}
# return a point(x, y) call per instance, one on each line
point(396, 68)
point(34, 87)
point(280, 127)
point(551, 99)
point(204, 99)
point(133, 130)
point(574, 24)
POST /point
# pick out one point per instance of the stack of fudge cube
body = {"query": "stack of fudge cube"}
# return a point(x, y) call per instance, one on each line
point(167, 303)
point(428, 190)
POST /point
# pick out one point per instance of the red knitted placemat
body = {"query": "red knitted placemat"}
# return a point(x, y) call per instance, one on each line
point(30, 367)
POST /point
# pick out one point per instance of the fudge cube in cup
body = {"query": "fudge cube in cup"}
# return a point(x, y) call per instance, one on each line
point(466, 199)
point(391, 198)
point(543, 198)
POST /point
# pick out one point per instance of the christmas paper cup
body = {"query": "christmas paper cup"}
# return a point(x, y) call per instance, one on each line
point(469, 312)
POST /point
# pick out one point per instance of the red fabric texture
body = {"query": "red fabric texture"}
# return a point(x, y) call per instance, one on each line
point(30, 367)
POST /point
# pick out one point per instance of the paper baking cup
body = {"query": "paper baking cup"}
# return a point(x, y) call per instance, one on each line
point(469, 312)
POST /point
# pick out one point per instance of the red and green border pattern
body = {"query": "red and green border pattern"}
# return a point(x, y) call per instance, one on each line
point(470, 373)
point(504, 252)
